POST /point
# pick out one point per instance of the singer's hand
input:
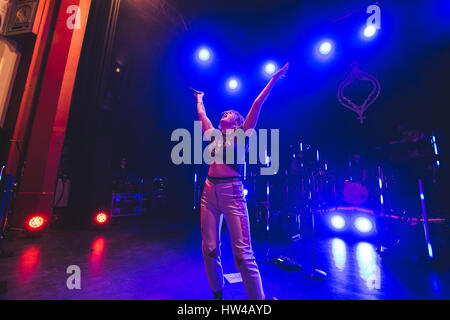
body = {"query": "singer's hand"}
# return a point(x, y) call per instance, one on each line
point(199, 95)
point(280, 74)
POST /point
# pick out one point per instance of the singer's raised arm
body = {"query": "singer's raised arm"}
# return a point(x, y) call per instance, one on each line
point(206, 123)
point(252, 118)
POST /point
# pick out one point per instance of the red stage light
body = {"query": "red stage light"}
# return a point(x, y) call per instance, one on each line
point(36, 223)
point(101, 218)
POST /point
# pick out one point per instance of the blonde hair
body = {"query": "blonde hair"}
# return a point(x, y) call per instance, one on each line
point(238, 116)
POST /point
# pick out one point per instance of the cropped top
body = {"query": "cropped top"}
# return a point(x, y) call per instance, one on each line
point(228, 143)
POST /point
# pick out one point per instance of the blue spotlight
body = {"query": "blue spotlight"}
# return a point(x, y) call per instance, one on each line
point(204, 54)
point(324, 50)
point(233, 84)
point(363, 225)
point(245, 192)
point(369, 31)
point(325, 47)
point(337, 222)
point(270, 68)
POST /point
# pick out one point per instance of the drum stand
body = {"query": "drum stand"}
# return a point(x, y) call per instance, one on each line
point(316, 274)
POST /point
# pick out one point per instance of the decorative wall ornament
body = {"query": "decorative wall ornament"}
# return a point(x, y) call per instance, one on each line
point(354, 75)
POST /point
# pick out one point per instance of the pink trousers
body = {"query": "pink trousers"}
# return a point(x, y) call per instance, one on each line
point(227, 197)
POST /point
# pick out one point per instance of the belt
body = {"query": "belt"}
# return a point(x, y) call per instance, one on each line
point(217, 180)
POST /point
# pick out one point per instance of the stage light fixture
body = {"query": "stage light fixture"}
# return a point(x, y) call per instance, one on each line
point(325, 47)
point(204, 54)
point(270, 68)
point(233, 84)
point(245, 192)
point(101, 218)
point(369, 31)
point(363, 224)
point(337, 222)
point(36, 223)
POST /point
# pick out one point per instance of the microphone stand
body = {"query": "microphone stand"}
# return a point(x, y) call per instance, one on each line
point(316, 274)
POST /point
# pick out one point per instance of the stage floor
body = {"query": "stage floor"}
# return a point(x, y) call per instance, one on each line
point(143, 260)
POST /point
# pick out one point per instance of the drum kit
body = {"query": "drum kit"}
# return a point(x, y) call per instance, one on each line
point(308, 187)
point(355, 193)
point(378, 186)
point(330, 189)
point(387, 182)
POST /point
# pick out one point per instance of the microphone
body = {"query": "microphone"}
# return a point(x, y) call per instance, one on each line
point(195, 91)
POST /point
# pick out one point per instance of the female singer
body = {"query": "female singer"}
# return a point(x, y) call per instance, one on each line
point(223, 193)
